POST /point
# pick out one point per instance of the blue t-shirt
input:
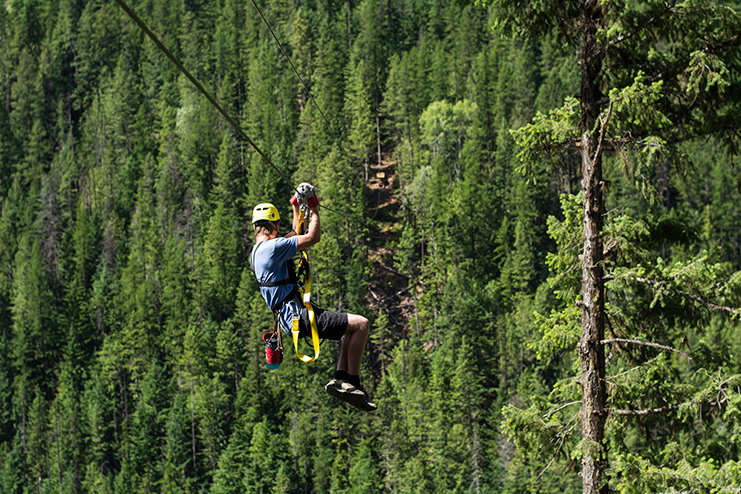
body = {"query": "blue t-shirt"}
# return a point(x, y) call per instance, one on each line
point(270, 262)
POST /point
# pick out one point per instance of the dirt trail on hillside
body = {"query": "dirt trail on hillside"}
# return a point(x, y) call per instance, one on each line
point(390, 290)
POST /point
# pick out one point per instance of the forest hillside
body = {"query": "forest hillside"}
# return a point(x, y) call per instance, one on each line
point(536, 204)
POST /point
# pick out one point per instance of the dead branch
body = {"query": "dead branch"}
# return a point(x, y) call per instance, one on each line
point(646, 343)
point(624, 157)
point(649, 411)
point(390, 270)
point(562, 407)
point(602, 130)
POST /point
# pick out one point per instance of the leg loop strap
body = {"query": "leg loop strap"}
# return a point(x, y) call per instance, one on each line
point(305, 292)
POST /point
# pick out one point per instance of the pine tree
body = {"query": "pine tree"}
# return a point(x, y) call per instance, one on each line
point(197, 141)
point(362, 128)
point(405, 404)
point(329, 89)
point(139, 303)
point(264, 456)
point(66, 446)
point(148, 427)
point(364, 474)
point(178, 468)
point(101, 431)
point(465, 38)
point(231, 471)
point(36, 438)
point(222, 241)
point(635, 105)
point(36, 343)
point(14, 475)
point(9, 151)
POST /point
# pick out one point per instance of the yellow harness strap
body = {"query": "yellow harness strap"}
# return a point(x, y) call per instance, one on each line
point(305, 292)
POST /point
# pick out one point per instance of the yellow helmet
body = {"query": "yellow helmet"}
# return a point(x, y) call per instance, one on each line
point(265, 212)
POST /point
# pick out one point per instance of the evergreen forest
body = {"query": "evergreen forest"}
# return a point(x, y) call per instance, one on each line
point(536, 204)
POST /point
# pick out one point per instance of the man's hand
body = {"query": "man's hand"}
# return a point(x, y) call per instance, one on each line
point(306, 192)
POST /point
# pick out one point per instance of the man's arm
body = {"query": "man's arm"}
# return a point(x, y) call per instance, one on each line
point(313, 235)
point(295, 218)
point(294, 223)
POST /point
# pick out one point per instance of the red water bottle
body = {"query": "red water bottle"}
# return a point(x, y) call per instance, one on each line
point(273, 354)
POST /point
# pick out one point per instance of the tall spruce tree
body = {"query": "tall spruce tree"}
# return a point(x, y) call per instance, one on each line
point(653, 74)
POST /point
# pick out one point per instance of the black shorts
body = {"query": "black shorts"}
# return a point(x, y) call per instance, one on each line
point(330, 325)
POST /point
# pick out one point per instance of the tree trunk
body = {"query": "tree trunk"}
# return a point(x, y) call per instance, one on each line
point(378, 137)
point(591, 351)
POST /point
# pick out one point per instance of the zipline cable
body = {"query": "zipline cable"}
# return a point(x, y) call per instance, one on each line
point(311, 96)
point(187, 74)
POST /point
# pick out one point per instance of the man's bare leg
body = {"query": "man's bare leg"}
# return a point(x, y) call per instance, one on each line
point(353, 344)
point(346, 384)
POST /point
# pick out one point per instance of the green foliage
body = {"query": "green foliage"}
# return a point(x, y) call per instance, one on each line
point(548, 137)
point(703, 475)
point(130, 351)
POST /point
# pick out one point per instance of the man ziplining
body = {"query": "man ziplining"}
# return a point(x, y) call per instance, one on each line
point(270, 260)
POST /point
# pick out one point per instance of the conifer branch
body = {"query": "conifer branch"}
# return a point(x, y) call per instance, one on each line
point(710, 305)
point(650, 411)
point(610, 378)
point(646, 343)
point(668, 9)
point(564, 434)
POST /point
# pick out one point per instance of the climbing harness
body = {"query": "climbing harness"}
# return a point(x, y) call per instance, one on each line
point(304, 291)
point(301, 279)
